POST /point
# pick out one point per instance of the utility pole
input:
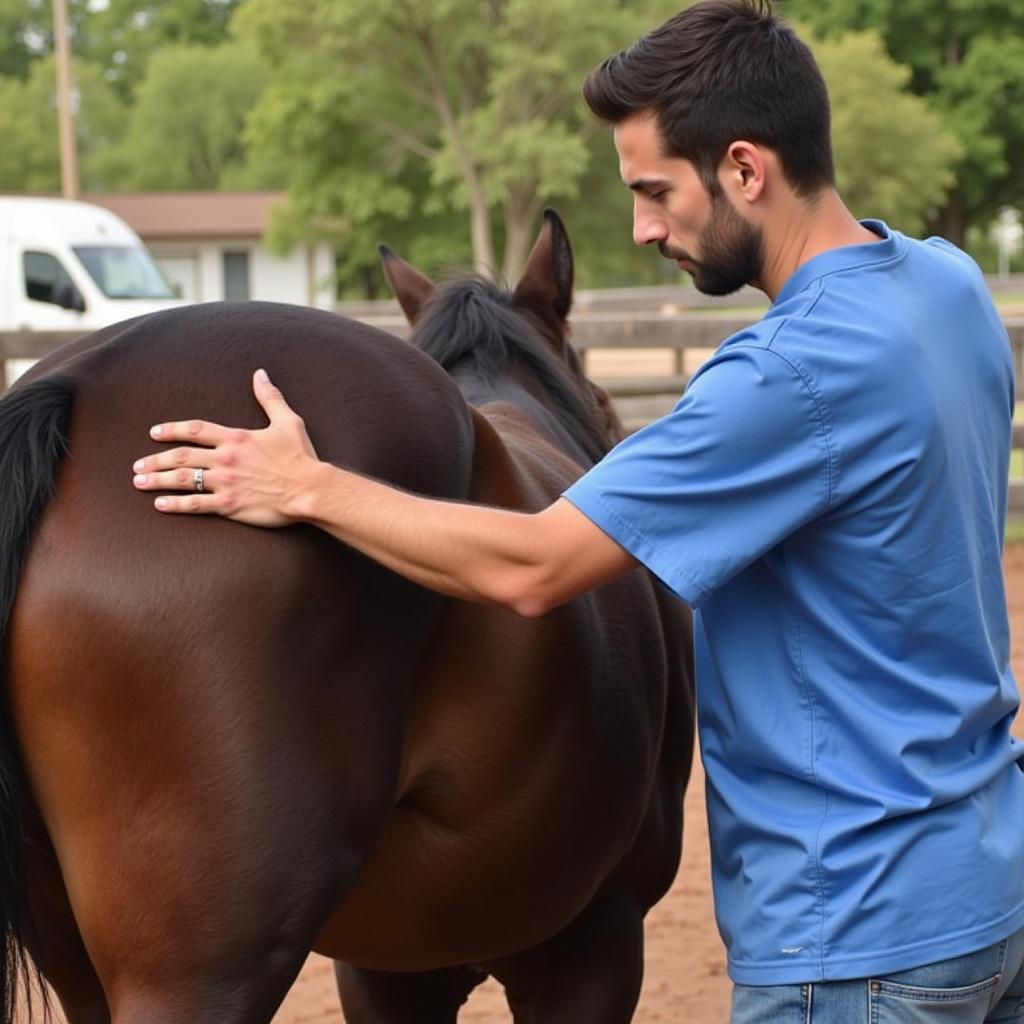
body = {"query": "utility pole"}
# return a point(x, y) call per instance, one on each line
point(65, 110)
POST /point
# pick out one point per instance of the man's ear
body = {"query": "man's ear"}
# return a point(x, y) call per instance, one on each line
point(546, 285)
point(411, 288)
point(745, 163)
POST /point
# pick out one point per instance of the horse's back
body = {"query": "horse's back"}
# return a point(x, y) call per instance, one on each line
point(370, 401)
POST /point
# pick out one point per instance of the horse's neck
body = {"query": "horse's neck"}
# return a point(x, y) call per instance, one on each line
point(515, 465)
point(518, 410)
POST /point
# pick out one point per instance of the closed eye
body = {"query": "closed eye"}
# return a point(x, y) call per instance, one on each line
point(653, 189)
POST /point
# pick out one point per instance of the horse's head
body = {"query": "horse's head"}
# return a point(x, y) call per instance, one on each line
point(478, 331)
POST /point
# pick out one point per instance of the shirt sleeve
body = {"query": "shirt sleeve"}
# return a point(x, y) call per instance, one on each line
point(742, 461)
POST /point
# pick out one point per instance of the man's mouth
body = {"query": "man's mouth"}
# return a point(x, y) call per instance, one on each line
point(678, 256)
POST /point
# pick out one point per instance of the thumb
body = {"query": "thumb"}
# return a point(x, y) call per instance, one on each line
point(269, 397)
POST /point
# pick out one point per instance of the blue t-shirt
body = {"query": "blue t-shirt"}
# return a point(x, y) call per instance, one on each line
point(830, 495)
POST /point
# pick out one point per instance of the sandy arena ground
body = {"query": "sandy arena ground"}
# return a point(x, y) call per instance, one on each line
point(685, 982)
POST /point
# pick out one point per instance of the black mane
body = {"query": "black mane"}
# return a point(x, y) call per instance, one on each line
point(472, 325)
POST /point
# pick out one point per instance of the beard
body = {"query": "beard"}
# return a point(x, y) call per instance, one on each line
point(732, 251)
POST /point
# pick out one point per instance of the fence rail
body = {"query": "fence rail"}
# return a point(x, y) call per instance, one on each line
point(639, 399)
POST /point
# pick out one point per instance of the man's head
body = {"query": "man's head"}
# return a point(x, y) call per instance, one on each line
point(722, 93)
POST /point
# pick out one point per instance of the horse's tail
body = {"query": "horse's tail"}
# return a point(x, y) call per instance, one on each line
point(34, 422)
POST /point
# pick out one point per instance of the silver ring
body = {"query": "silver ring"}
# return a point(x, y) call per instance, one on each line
point(197, 479)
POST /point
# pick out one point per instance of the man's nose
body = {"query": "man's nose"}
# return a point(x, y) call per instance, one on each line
point(647, 226)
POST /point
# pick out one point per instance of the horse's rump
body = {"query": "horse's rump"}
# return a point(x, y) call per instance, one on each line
point(264, 741)
point(192, 689)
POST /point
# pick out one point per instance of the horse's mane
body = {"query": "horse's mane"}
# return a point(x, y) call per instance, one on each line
point(472, 324)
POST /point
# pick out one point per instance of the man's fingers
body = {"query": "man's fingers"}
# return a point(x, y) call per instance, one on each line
point(270, 397)
point(176, 458)
point(193, 431)
point(190, 504)
point(182, 479)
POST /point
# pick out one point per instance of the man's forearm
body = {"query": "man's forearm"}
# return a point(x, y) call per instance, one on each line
point(471, 552)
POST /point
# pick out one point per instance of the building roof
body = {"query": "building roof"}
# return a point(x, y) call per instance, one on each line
point(171, 215)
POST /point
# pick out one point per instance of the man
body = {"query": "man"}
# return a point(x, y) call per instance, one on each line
point(829, 494)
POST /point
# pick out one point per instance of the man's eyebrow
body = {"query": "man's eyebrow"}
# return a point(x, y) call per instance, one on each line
point(648, 184)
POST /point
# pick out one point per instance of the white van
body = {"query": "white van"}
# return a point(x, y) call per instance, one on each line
point(71, 266)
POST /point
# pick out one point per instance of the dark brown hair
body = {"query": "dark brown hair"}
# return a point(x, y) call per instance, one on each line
point(719, 71)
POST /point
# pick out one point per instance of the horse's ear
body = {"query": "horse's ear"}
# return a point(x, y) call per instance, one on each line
point(546, 284)
point(411, 288)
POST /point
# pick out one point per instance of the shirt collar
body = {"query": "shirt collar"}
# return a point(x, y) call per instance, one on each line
point(891, 244)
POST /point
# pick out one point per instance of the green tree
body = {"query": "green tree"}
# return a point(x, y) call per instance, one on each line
point(30, 157)
point(347, 190)
point(429, 106)
point(983, 100)
point(123, 35)
point(894, 157)
point(185, 129)
point(26, 32)
point(21, 40)
point(967, 59)
point(118, 35)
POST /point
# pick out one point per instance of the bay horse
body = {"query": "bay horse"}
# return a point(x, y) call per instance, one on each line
point(224, 747)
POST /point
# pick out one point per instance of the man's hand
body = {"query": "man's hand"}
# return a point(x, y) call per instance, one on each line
point(528, 562)
point(252, 476)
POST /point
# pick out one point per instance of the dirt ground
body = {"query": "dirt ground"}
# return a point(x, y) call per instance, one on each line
point(685, 980)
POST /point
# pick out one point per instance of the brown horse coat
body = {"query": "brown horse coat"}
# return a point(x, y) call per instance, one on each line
point(239, 745)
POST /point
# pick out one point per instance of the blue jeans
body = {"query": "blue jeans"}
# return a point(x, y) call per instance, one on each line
point(986, 987)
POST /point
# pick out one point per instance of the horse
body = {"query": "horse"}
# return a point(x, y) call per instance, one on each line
point(224, 747)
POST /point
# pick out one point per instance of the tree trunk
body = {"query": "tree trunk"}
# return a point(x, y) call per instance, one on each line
point(520, 213)
point(480, 229)
point(953, 219)
point(370, 279)
point(479, 212)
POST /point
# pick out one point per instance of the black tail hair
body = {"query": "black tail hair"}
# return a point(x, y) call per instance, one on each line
point(34, 421)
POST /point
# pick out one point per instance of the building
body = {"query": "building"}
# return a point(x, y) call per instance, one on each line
point(210, 245)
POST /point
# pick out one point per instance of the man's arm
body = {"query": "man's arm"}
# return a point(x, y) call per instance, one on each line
point(272, 477)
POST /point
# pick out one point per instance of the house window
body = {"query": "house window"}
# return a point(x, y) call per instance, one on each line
point(236, 276)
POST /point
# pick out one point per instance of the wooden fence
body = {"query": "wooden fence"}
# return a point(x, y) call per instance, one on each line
point(684, 339)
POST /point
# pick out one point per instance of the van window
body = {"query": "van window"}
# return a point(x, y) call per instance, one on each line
point(124, 272)
point(46, 280)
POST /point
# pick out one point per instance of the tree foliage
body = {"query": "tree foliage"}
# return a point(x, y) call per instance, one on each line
point(983, 101)
point(461, 104)
point(26, 32)
point(350, 192)
point(966, 60)
point(894, 157)
point(444, 126)
point(179, 127)
point(186, 126)
point(118, 35)
point(30, 155)
point(122, 35)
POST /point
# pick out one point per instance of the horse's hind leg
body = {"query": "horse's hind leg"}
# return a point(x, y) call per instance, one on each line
point(589, 973)
point(57, 947)
point(382, 997)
